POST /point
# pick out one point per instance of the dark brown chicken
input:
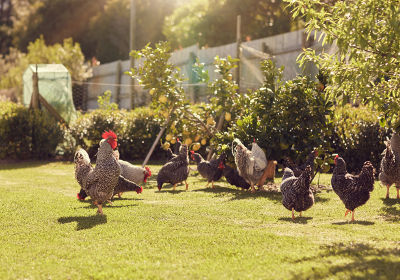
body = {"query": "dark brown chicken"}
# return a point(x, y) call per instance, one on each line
point(232, 177)
point(390, 165)
point(296, 191)
point(176, 170)
point(353, 190)
point(210, 170)
point(298, 169)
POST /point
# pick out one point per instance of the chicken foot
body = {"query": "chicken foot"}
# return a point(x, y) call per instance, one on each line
point(352, 214)
point(387, 191)
point(253, 189)
point(187, 186)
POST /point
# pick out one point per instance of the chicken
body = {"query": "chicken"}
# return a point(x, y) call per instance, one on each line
point(353, 190)
point(232, 177)
point(99, 182)
point(176, 170)
point(296, 191)
point(170, 154)
point(210, 170)
point(297, 170)
point(129, 171)
point(250, 164)
point(390, 164)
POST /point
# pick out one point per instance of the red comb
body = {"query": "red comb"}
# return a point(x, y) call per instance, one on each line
point(111, 138)
point(192, 152)
point(109, 134)
point(148, 170)
point(139, 190)
point(254, 139)
point(336, 156)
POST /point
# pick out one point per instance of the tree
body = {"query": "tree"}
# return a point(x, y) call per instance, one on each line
point(213, 22)
point(365, 65)
point(69, 54)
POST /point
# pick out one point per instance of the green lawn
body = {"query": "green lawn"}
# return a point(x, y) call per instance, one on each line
point(199, 234)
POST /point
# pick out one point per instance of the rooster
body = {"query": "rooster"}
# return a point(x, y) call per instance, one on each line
point(353, 190)
point(176, 170)
point(390, 164)
point(99, 182)
point(296, 191)
point(250, 164)
point(129, 171)
point(210, 170)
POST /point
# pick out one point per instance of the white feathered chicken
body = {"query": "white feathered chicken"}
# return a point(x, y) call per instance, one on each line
point(250, 164)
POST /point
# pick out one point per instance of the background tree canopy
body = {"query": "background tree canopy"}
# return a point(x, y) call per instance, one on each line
point(365, 65)
point(101, 27)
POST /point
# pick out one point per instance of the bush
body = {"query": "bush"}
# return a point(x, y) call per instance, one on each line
point(136, 131)
point(287, 119)
point(27, 134)
point(358, 137)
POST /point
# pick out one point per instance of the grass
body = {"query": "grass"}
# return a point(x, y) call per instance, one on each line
point(222, 233)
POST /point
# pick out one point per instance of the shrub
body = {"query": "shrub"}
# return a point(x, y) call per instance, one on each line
point(358, 137)
point(136, 131)
point(287, 119)
point(27, 134)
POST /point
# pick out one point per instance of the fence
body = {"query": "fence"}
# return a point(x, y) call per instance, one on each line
point(283, 49)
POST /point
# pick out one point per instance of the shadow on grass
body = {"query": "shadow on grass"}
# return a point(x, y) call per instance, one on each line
point(237, 194)
point(390, 213)
point(390, 201)
point(297, 220)
point(21, 164)
point(84, 222)
point(363, 223)
point(363, 261)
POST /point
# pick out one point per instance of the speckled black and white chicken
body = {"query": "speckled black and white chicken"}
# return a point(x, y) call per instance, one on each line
point(296, 191)
point(176, 170)
point(135, 174)
point(210, 170)
point(99, 182)
point(250, 164)
point(390, 164)
point(353, 190)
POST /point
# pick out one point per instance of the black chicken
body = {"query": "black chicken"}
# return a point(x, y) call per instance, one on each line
point(173, 154)
point(232, 176)
point(210, 170)
point(176, 170)
point(296, 191)
point(353, 190)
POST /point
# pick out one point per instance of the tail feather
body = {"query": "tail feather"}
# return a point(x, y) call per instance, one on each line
point(124, 185)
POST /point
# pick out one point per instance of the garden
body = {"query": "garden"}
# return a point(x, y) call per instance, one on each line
point(175, 225)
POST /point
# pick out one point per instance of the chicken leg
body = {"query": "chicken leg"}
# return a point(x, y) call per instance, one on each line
point(292, 214)
point(347, 212)
point(398, 189)
point(253, 190)
point(387, 191)
point(174, 187)
point(207, 185)
point(300, 213)
point(100, 209)
point(187, 186)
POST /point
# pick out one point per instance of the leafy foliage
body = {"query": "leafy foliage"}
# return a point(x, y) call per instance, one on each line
point(213, 23)
point(285, 118)
point(365, 64)
point(69, 54)
point(27, 134)
point(358, 136)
